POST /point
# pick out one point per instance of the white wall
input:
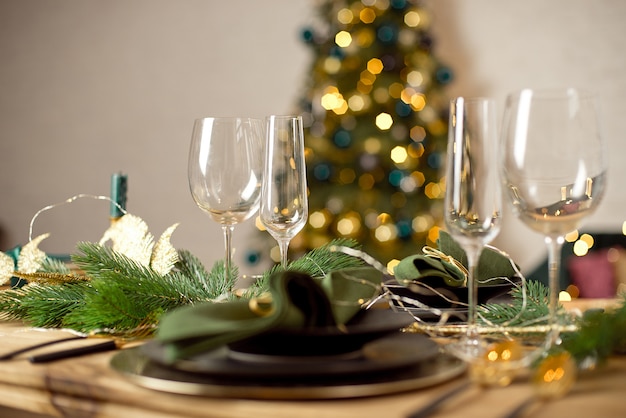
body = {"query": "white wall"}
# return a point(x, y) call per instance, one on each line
point(91, 87)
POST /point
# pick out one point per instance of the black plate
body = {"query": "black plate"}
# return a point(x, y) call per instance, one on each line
point(455, 297)
point(391, 352)
point(366, 326)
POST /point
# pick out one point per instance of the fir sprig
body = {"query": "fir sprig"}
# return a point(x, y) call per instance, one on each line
point(115, 294)
point(527, 305)
point(600, 334)
point(43, 305)
point(316, 263)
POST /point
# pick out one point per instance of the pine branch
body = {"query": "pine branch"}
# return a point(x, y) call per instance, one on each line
point(320, 261)
point(128, 295)
point(43, 305)
point(317, 263)
point(53, 265)
point(117, 294)
point(215, 283)
point(600, 334)
point(536, 310)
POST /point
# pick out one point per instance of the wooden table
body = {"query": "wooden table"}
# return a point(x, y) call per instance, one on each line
point(89, 387)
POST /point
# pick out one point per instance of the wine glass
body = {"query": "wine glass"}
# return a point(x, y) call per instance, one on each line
point(284, 201)
point(225, 170)
point(554, 168)
point(473, 194)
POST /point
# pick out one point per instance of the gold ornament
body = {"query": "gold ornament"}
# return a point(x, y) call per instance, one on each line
point(130, 236)
point(164, 255)
point(555, 376)
point(7, 266)
point(498, 365)
point(31, 257)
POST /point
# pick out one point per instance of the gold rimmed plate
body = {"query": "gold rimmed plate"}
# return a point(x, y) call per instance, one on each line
point(144, 372)
point(391, 352)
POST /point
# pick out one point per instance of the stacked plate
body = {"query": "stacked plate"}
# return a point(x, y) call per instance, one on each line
point(428, 300)
point(369, 356)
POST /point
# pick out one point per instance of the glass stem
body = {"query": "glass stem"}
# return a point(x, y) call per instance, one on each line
point(283, 245)
point(228, 234)
point(473, 255)
point(554, 272)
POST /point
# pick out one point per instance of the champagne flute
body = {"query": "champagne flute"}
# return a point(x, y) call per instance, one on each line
point(473, 194)
point(554, 168)
point(284, 201)
point(225, 170)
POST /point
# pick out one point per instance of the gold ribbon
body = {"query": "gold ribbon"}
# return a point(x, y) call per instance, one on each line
point(262, 305)
point(435, 253)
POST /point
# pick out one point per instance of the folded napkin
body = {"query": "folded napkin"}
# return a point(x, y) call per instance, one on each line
point(448, 265)
point(295, 301)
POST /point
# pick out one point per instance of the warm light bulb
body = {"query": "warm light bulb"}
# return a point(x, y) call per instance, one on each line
point(356, 103)
point(345, 16)
point(412, 19)
point(375, 66)
point(332, 65)
point(372, 145)
point(367, 15)
point(581, 248)
point(343, 39)
point(384, 121)
point(317, 219)
point(385, 233)
point(415, 78)
point(588, 239)
point(399, 154)
point(572, 236)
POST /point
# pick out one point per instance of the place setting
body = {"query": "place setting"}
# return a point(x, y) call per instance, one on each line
point(387, 342)
point(308, 335)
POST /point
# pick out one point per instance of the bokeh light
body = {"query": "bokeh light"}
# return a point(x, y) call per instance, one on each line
point(384, 121)
point(343, 39)
point(412, 19)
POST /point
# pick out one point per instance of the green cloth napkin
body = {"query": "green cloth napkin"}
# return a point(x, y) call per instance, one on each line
point(430, 269)
point(297, 301)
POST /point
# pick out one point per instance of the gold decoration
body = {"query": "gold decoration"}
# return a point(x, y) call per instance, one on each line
point(31, 257)
point(555, 376)
point(439, 330)
point(262, 305)
point(498, 365)
point(7, 265)
point(435, 253)
point(130, 236)
point(164, 255)
point(50, 278)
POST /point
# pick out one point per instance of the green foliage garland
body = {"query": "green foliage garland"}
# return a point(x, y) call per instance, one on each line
point(113, 294)
point(599, 333)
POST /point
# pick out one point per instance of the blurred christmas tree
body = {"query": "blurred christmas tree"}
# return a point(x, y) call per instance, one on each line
point(376, 121)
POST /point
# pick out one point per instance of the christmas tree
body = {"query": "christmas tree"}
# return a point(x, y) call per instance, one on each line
point(376, 133)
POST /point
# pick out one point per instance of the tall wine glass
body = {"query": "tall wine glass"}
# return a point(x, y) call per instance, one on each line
point(284, 201)
point(554, 167)
point(225, 171)
point(473, 194)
